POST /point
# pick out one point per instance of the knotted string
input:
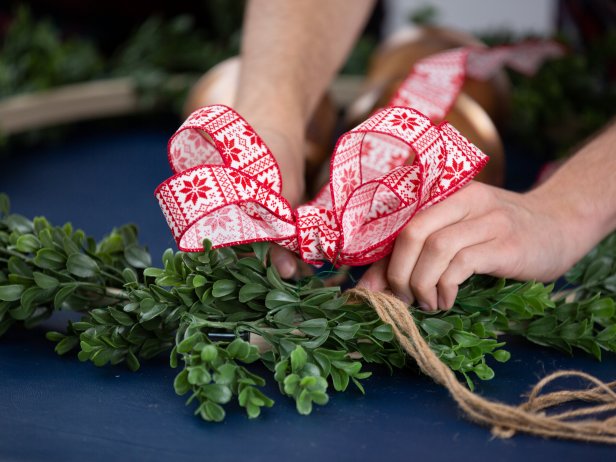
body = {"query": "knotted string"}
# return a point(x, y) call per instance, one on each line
point(505, 420)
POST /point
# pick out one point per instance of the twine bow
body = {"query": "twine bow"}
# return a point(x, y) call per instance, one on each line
point(227, 184)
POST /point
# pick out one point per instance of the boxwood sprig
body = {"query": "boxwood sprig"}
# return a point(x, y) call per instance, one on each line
point(205, 307)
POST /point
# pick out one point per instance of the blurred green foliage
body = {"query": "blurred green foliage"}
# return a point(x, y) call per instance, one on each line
point(566, 101)
point(35, 57)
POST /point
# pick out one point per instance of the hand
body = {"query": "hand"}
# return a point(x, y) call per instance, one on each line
point(479, 230)
point(288, 151)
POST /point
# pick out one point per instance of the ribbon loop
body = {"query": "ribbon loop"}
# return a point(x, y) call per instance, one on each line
point(371, 196)
point(227, 184)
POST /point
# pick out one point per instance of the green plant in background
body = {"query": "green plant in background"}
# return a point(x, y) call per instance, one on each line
point(205, 307)
point(566, 101)
point(165, 57)
point(35, 57)
point(426, 15)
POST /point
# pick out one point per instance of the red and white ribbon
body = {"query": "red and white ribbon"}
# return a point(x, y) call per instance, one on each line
point(227, 184)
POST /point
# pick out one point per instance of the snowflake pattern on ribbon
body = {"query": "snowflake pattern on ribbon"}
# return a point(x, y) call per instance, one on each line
point(227, 184)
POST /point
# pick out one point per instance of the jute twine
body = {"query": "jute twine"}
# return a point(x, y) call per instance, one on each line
point(582, 423)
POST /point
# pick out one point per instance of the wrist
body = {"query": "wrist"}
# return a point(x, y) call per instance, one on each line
point(570, 224)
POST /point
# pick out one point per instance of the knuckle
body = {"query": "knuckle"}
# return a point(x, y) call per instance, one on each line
point(417, 232)
point(502, 221)
point(421, 287)
point(447, 283)
point(436, 243)
point(395, 280)
point(464, 259)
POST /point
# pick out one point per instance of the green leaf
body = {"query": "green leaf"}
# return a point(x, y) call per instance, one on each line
point(217, 393)
point(63, 294)
point(153, 312)
point(29, 300)
point(153, 272)
point(608, 334)
point(120, 316)
point(274, 278)
point(299, 357)
point(49, 259)
point(436, 327)
point(598, 270)
point(465, 339)
point(316, 341)
point(132, 362)
point(277, 298)
point(340, 379)
point(484, 372)
point(209, 353)
point(111, 244)
point(347, 330)
point(502, 356)
point(304, 403)
point(180, 384)
point(251, 291)
point(602, 308)
point(129, 275)
point(542, 326)
point(199, 281)
point(54, 336)
point(313, 327)
point(82, 265)
point(18, 223)
point(198, 375)
point(28, 243)
point(384, 333)
point(260, 249)
point(186, 345)
point(65, 345)
point(212, 412)
point(238, 348)
point(137, 256)
point(45, 281)
point(223, 287)
point(225, 374)
point(280, 370)
point(11, 292)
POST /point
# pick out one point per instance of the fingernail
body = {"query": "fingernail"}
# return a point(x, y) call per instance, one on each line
point(424, 306)
point(441, 304)
point(405, 299)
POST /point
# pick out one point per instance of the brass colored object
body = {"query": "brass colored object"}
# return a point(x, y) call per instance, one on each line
point(219, 86)
point(471, 120)
point(480, 106)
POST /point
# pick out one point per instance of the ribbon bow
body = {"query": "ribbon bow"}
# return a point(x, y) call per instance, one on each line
point(227, 184)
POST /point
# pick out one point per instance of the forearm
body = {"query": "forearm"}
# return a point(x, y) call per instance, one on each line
point(583, 192)
point(291, 50)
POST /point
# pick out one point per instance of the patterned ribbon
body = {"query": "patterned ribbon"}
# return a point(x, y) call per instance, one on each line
point(227, 184)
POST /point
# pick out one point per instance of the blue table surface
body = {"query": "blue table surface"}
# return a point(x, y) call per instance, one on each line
point(57, 408)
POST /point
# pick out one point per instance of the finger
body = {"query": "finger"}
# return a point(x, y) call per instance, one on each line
point(410, 242)
point(438, 252)
point(284, 261)
point(477, 259)
point(375, 277)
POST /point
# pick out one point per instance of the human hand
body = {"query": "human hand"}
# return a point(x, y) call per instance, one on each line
point(287, 148)
point(479, 230)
